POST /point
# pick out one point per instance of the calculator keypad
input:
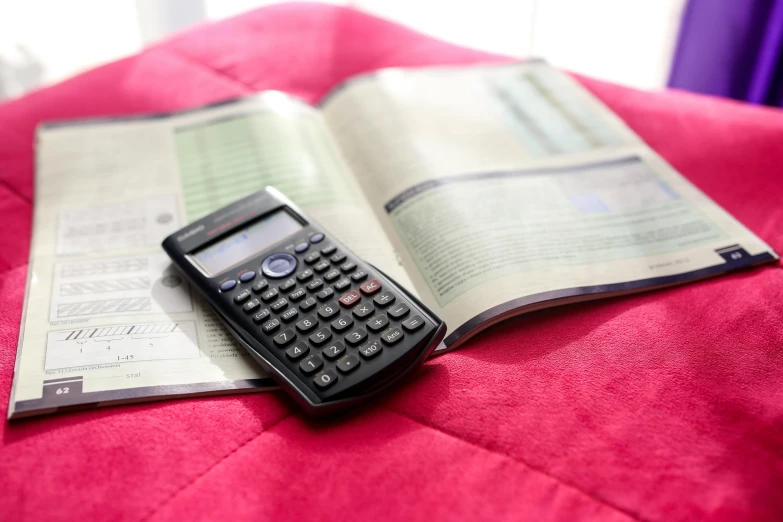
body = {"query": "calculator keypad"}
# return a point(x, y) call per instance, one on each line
point(331, 320)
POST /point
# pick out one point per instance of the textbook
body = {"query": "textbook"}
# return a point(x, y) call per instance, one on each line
point(488, 191)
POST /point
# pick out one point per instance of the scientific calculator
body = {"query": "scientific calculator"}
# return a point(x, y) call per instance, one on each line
point(331, 329)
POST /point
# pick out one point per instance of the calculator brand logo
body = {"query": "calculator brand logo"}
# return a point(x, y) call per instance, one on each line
point(190, 233)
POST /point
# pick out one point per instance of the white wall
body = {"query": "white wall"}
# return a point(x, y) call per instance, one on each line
point(624, 41)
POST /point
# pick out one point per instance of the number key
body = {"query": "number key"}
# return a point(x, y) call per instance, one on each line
point(311, 364)
point(284, 338)
point(356, 336)
point(326, 378)
point(328, 310)
point(320, 337)
point(297, 351)
point(334, 350)
point(307, 324)
point(342, 323)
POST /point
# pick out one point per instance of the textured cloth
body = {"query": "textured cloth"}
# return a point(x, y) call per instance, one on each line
point(662, 406)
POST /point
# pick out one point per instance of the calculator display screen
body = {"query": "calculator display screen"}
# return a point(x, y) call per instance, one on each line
point(246, 243)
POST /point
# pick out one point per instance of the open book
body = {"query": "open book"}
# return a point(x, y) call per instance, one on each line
point(489, 191)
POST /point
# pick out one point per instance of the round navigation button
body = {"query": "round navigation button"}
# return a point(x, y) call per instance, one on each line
point(228, 285)
point(247, 276)
point(301, 247)
point(279, 265)
point(316, 238)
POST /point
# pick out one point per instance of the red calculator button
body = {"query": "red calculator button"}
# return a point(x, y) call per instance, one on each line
point(351, 298)
point(370, 287)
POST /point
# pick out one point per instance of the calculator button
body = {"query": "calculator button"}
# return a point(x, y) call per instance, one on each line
point(328, 250)
point(297, 294)
point(356, 336)
point(320, 337)
point(270, 326)
point(334, 350)
point(397, 311)
point(378, 323)
point(342, 284)
point(227, 285)
point(339, 257)
point(260, 286)
point(316, 238)
point(351, 298)
point(348, 266)
point(278, 266)
point(321, 267)
point(314, 285)
point(360, 312)
point(311, 364)
point(244, 295)
point(342, 323)
point(332, 274)
point(370, 287)
point(348, 363)
point(384, 298)
point(251, 305)
point(304, 275)
point(325, 294)
point(247, 276)
point(359, 276)
point(328, 310)
point(287, 285)
point(284, 338)
point(369, 351)
point(301, 247)
point(307, 324)
point(312, 257)
point(307, 304)
point(263, 315)
point(325, 379)
point(279, 305)
point(413, 324)
point(269, 295)
point(289, 315)
point(392, 336)
point(297, 351)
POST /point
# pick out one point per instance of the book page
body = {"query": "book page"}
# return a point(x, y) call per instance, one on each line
point(510, 186)
point(107, 317)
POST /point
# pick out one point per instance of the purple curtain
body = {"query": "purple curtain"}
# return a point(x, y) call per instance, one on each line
point(731, 48)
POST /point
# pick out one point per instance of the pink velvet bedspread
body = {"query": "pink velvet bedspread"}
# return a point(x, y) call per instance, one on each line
point(659, 407)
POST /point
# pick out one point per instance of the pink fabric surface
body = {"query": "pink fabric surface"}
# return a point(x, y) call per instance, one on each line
point(662, 406)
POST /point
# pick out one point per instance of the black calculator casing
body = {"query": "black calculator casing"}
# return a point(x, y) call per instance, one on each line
point(376, 371)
